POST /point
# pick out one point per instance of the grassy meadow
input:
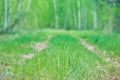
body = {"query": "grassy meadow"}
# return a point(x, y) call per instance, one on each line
point(64, 58)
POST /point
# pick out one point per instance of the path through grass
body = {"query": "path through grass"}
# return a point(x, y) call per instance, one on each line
point(65, 58)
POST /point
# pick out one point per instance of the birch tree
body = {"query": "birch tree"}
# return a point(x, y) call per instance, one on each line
point(18, 15)
point(9, 12)
point(5, 15)
point(27, 11)
point(1, 14)
point(85, 15)
point(94, 19)
point(55, 12)
point(79, 15)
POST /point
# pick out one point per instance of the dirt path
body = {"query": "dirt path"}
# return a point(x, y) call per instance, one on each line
point(100, 52)
point(105, 57)
point(38, 46)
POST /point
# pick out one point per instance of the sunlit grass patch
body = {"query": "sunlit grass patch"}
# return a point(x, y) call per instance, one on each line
point(63, 59)
point(109, 42)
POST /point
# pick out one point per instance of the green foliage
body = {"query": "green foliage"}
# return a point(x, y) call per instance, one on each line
point(110, 42)
point(18, 43)
point(42, 15)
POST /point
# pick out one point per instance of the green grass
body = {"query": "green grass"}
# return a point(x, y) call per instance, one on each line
point(105, 41)
point(12, 46)
point(20, 43)
point(64, 59)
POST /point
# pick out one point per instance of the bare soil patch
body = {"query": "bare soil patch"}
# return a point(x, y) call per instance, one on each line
point(104, 55)
point(38, 46)
point(27, 56)
point(100, 52)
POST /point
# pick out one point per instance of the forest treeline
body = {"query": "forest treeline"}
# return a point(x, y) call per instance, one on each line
point(60, 14)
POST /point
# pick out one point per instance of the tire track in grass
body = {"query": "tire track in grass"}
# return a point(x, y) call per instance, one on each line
point(7, 74)
point(39, 46)
point(103, 55)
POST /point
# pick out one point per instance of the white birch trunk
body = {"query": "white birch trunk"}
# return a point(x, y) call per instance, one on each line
point(9, 12)
point(56, 16)
point(19, 9)
point(94, 19)
point(5, 14)
point(18, 13)
point(2, 15)
point(85, 15)
point(79, 15)
point(28, 7)
point(27, 11)
point(85, 18)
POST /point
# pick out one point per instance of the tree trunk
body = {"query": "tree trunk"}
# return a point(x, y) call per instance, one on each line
point(9, 13)
point(1, 14)
point(18, 15)
point(56, 16)
point(85, 15)
point(5, 15)
point(94, 20)
point(27, 11)
point(79, 15)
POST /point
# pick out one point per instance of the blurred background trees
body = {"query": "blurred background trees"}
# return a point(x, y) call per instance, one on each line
point(60, 14)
